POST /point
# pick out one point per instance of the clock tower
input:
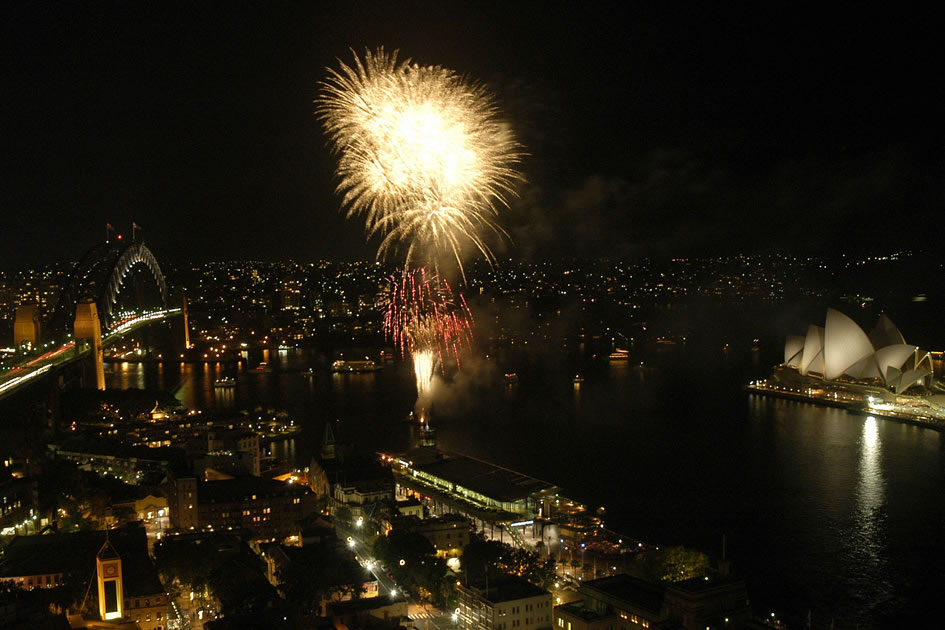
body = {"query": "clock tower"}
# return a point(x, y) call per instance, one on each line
point(111, 602)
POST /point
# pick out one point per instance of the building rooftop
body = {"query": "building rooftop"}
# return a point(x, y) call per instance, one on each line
point(705, 583)
point(485, 478)
point(75, 553)
point(244, 489)
point(634, 591)
point(508, 588)
point(577, 609)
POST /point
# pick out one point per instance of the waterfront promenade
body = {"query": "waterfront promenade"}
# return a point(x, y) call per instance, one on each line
point(917, 410)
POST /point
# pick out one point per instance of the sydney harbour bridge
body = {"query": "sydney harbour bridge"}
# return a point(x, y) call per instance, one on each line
point(115, 288)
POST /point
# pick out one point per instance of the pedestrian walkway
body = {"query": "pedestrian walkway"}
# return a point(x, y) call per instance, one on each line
point(421, 615)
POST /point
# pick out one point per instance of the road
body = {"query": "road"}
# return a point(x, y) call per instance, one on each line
point(34, 367)
point(423, 616)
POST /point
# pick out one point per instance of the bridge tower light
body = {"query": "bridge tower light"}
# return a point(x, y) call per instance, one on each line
point(26, 327)
point(187, 344)
point(88, 326)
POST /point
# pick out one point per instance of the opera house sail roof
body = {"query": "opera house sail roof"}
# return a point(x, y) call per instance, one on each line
point(841, 350)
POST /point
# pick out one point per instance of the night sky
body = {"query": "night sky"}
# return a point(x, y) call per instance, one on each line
point(655, 132)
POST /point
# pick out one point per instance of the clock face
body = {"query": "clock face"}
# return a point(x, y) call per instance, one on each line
point(111, 570)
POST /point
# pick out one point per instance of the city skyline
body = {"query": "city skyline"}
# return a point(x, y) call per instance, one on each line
point(470, 315)
point(673, 133)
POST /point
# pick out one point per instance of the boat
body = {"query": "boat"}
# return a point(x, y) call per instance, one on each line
point(263, 368)
point(366, 365)
point(226, 381)
point(511, 377)
point(578, 379)
point(619, 355)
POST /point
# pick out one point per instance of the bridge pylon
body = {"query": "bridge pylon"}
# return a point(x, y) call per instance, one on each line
point(88, 326)
point(26, 327)
point(187, 345)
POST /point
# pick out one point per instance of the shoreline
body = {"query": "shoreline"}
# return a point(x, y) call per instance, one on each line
point(851, 406)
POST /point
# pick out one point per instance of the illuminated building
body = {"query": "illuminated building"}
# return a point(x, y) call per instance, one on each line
point(108, 579)
point(126, 585)
point(623, 602)
point(449, 534)
point(841, 351)
point(483, 492)
point(506, 603)
point(270, 509)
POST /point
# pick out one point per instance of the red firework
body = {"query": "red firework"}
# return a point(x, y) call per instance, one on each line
point(421, 313)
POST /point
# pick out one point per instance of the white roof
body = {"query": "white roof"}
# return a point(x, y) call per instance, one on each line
point(845, 344)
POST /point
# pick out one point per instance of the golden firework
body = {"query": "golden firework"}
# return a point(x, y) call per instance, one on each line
point(422, 155)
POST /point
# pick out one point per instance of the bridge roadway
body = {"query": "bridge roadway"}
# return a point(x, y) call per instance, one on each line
point(27, 371)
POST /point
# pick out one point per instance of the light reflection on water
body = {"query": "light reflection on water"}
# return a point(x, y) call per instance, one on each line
point(823, 509)
point(867, 538)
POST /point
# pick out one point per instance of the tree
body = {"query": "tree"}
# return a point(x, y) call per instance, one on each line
point(188, 562)
point(342, 514)
point(318, 572)
point(411, 560)
point(493, 558)
point(671, 564)
point(241, 589)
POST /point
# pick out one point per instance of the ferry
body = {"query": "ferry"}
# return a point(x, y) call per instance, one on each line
point(367, 365)
point(619, 355)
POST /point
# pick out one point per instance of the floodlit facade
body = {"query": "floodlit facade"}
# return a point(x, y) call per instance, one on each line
point(841, 350)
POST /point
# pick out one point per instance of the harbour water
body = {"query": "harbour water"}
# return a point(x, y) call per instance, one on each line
point(830, 515)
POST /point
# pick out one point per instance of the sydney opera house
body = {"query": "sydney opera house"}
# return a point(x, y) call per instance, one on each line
point(842, 353)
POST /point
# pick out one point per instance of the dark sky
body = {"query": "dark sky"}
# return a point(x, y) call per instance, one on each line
point(657, 131)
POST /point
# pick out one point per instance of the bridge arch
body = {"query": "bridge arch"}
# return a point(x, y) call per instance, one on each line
point(99, 275)
point(132, 255)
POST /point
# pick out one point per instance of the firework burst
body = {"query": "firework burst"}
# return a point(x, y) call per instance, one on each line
point(422, 155)
point(422, 318)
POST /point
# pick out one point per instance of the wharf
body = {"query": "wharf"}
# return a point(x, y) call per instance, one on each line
point(857, 406)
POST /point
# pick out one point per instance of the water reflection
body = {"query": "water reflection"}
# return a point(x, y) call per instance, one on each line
point(128, 375)
point(870, 491)
point(830, 511)
point(868, 537)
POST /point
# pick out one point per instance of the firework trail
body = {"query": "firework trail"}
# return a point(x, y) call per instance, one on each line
point(422, 155)
point(424, 363)
point(422, 318)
